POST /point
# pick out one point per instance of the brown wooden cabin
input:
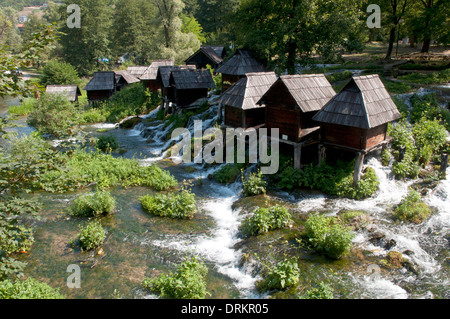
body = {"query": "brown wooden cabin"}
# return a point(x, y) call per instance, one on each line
point(101, 87)
point(71, 92)
point(163, 77)
point(207, 55)
point(241, 63)
point(357, 117)
point(150, 74)
point(291, 103)
point(190, 85)
point(123, 78)
point(240, 100)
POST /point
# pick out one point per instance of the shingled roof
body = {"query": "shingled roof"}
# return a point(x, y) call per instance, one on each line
point(102, 81)
point(248, 91)
point(185, 79)
point(127, 77)
point(163, 74)
point(70, 91)
point(240, 63)
point(152, 71)
point(364, 102)
point(137, 71)
point(214, 53)
point(310, 91)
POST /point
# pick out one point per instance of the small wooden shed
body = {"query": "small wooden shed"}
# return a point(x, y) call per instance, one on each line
point(292, 101)
point(357, 117)
point(163, 77)
point(190, 85)
point(207, 55)
point(101, 87)
point(123, 78)
point(240, 100)
point(241, 63)
point(71, 92)
point(150, 74)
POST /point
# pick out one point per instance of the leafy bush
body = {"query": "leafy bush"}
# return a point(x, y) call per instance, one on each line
point(323, 291)
point(227, 173)
point(254, 184)
point(189, 281)
point(412, 208)
point(54, 115)
point(266, 219)
point(326, 235)
point(339, 76)
point(171, 205)
point(107, 143)
point(28, 289)
point(385, 157)
point(366, 186)
point(440, 77)
point(91, 205)
point(59, 73)
point(91, 236)
point(280, 276)
point(93, 115)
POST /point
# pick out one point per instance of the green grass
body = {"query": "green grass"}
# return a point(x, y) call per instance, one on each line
point(440, 77)
point(25, 108)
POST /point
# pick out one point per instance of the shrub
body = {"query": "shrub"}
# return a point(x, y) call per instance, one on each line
point(189, 281)
point(28, 289)
point(59, 73)
point(412, 208)
point(266, 219)
point(54, 115)
point(91, 205)
point(171, 205)
point(91, 236)
point(254, 184)
point(107, 143)
point(227, 173)
point(323, 291)
point(283, 275)
point(326, 235)
point(385, 157)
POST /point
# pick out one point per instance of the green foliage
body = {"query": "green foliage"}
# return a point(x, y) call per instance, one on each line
point(54, 115)
point(412, 209)
point(253, 184)
point(59, 73)
point(92, 205)
point(28, 289)
point(107, 143)
point(280, 276)
point(227, 173)
point(91, 236)
point(440, 77)
point(25, 108)
point(266, 219)
point(429, 137)
point(188, 282)
point(385, 157)
point(323, 291)
point(172, 205)
point(394, 87)
point(339, 76)
point(94, 115)
point(327, 236)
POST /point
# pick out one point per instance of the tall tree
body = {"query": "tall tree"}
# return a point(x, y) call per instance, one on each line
point(435, 22)
point(83, 47)
point(397, 11)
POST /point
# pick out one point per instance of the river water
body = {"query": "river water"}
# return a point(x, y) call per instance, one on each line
point(140, 245)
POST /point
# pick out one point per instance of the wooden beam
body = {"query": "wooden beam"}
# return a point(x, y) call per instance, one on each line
point(298, 156)
point(322, 151)
point(358, 168)
point(444, 165)
point(219, 116)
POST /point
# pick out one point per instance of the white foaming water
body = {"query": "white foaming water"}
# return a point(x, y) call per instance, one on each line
point(219, 247)
point(380, 288)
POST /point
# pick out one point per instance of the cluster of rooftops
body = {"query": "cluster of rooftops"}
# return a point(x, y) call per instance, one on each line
point(301, 106)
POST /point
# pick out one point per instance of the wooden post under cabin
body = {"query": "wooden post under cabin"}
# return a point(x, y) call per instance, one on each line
point(358, 168)
point(297, 156)
point(322, 152)
point(444, 164)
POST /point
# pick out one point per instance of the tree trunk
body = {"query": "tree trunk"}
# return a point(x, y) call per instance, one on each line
point(391, 43)
point(292, 51)
point(426, 45)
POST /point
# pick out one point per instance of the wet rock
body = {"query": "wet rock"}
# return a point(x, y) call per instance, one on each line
point(130, 122)
point(408, 252)
point(378, 239)
point(391, 243)
point(409, 266)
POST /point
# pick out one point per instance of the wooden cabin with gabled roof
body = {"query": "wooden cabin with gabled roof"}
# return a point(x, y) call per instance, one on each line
point(241, 63)
point(189, 85)
point(356, 119)
point(150, 74)
point(207, 55)
point(71, 92)
point(137, 70)
point(123, 78)
point(101, 87)
point(240, 100)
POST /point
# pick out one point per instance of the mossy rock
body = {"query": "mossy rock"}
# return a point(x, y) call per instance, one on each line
point(394, 260)
point(130, 123)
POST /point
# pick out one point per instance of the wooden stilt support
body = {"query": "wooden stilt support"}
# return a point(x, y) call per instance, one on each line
point(322, 150)
point(444, 165)
point(298, 156)
point(219, 116)
point(166, 111)
point(358, 168)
